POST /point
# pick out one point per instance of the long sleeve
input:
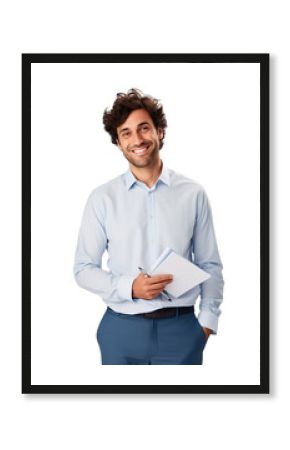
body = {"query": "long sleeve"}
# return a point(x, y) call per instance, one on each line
point(206, 256)
point(91, 245)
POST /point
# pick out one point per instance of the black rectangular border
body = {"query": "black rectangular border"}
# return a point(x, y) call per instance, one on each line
point(260, 58)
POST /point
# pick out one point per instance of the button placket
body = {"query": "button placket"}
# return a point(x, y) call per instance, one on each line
point(151, 220)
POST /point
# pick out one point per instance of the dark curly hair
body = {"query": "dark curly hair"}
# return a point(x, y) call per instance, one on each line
point(125, 104)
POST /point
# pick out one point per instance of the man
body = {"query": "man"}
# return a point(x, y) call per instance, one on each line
point(135, 216)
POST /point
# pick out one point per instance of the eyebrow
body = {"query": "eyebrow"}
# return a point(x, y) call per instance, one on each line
point(138, 126)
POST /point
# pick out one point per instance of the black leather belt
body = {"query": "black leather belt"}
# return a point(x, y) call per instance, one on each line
point(168, 312)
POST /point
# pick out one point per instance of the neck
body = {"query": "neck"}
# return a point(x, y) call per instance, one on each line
point(147, 175)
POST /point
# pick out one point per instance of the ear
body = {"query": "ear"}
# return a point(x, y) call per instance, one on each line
point(160, 133)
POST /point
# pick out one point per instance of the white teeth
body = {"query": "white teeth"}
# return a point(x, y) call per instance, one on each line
point(140, 151)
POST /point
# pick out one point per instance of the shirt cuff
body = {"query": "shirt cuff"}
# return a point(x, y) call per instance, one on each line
point(124, 287)
point(209, 320)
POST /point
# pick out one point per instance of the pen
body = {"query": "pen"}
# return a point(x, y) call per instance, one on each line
point(162, 292)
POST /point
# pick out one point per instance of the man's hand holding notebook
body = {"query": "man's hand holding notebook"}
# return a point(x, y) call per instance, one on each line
point(186, 275)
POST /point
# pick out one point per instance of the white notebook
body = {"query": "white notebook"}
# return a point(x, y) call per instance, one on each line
point(186, 275)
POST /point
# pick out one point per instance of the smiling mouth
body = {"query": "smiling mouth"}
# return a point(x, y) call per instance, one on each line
point(141, 151)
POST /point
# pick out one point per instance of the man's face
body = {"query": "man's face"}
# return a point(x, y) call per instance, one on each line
point(138, 139)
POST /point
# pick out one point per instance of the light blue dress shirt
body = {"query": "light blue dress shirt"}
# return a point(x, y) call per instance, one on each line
point(134, 224)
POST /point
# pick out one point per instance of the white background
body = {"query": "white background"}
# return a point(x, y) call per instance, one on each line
point(213, 137)
point(88, 421)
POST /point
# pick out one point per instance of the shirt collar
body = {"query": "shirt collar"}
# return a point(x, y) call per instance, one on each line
point(164, 177)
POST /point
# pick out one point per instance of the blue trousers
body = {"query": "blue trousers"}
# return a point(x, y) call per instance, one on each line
point(133, 339)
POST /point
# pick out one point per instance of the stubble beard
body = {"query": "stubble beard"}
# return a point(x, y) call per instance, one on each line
point(148, 161)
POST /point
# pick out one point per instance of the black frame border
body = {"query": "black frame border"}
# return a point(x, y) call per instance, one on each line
point(260, 58)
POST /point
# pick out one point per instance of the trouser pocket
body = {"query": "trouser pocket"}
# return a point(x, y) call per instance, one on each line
point(202, 333)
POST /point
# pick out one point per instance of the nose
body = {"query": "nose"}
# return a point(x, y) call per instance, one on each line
point(137, 139)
